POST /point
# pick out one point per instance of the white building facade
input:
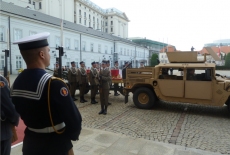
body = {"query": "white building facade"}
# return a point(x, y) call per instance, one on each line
point(80, 43)
point(83, 12)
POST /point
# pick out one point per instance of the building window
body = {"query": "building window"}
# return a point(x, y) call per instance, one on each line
point(34, 3)
point(76, 44)
point(106, 49)
point(93, 19)
point(85, 22)
point(106, 30)
point(128, 52)
point(121, 51)
point(17, 34)
point(124, 51)
point(79, 12)
point(85, 14)
point(89, 24)
point(99, 48)
point(57, 41)
point(32, 33)
point(91, 47)
point(29, 1)
point(80, 20)
point(106, 24)
point(93, 26)
point(40, 5)
point(83, 46)
point(2, 33)
point(67, 43)
point(18, 62)
point(89, 16)
point(111, 49)
point(2, 64)
point(111, 22)
point(111, 29)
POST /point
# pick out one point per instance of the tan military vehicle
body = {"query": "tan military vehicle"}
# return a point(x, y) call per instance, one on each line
point(184, 79)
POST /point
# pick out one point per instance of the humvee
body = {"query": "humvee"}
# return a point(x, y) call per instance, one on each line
point(190, 81)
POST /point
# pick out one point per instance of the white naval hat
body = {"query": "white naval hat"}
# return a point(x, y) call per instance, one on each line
point(33, 41)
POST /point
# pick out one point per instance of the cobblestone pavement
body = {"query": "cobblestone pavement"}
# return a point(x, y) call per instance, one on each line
point(194, 126)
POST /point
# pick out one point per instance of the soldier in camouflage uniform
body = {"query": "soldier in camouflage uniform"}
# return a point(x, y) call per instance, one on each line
point(116, 67)
point(94, 82)
point(73, 79)
point(82, 77)
point(105, 78)
point(110, 82)
point(56, 70)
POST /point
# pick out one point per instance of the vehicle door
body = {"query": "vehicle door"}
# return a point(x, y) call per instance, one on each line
point(198, 83)
point(171, 82)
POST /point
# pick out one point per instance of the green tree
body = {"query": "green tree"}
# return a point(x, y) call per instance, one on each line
point(154, 60)
point(227, 60)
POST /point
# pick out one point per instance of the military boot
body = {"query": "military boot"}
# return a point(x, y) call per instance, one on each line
point(102, 110)
point(93, 101)
point(105, 111)
point(84, 99)
point(81, 99)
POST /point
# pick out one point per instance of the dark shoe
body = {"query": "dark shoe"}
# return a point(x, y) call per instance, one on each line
point(81, 100)
point(93, 102)
point(102, 110)
point(109, 103)
point(84, 100)
point(105, 111)
point(116, 94)
point(97, 93)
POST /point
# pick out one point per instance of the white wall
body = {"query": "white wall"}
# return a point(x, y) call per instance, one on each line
point(28, 25)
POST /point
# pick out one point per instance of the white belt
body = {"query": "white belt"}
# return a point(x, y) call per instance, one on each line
point(48, 129)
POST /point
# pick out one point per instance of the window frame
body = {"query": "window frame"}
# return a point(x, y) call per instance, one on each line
point(18, 60)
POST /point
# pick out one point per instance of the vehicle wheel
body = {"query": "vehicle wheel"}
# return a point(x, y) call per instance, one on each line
point(144, 98)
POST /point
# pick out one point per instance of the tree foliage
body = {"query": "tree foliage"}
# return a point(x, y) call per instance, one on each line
point(154, 60)
point(227, 60)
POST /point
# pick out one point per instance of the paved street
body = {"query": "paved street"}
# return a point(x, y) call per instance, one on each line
point(187, 125)
point(193, 126)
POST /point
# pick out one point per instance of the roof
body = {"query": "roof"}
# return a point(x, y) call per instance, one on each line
point(148, 42)
point(169, 48)
point(38, 16)
point(223, 49)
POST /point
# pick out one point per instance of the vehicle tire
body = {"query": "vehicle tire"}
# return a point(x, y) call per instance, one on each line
point(144, 98)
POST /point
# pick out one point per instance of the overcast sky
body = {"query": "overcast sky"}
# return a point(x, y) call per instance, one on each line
point(184, 23)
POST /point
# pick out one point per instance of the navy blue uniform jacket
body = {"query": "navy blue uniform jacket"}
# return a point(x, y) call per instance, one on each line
point(9, 116)
point(29, 93)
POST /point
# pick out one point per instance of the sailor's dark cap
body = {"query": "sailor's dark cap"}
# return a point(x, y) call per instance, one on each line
point(34, 41)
